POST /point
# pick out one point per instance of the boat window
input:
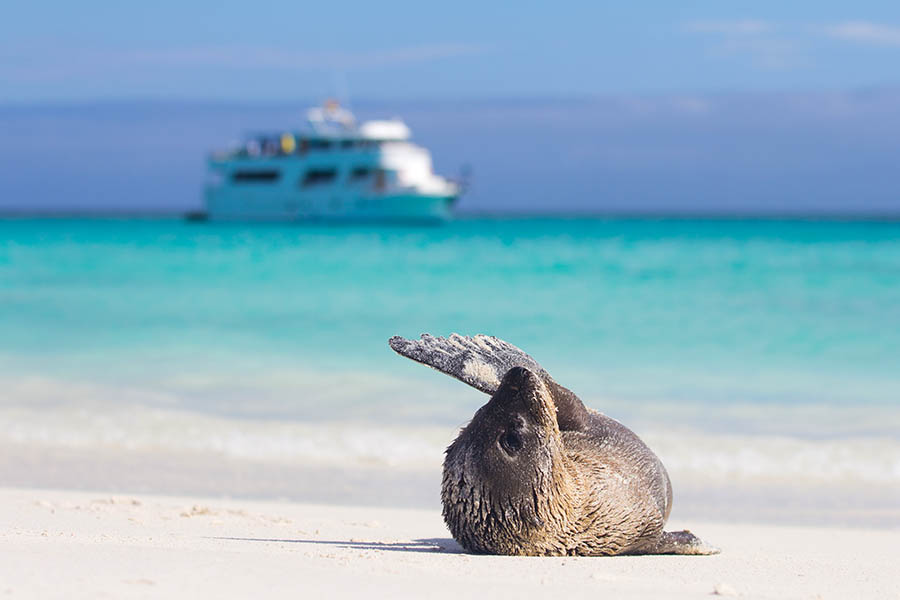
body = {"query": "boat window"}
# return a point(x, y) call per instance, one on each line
point(360, 173)
point(319, 176)
point(270, 147)
point(257, 176)
point(348, 144)
point(319, 144)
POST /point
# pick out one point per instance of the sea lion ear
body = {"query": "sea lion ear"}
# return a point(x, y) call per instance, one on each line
point(481, 361)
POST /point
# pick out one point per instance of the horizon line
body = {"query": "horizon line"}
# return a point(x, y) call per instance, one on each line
point(673, 215)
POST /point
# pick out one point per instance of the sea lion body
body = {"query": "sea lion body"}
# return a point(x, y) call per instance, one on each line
point(537, 473)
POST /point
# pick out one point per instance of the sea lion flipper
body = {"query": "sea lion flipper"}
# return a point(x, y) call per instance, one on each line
point(679, 542)
point(481, 361)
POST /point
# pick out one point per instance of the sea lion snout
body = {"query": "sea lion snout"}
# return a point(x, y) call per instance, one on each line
point(523, 389)
point(518, 377)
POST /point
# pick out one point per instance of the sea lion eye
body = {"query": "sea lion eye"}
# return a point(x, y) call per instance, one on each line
point(511, 441)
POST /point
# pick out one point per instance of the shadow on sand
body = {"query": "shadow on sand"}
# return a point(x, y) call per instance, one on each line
point(442, 545)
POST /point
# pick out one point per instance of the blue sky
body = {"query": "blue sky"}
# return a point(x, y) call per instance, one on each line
point(62, 51)
point(646, 106)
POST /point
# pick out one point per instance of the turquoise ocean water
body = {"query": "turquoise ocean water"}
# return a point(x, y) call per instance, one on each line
point(250, 341)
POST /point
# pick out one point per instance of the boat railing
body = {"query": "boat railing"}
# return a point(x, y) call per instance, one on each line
point(288, 145)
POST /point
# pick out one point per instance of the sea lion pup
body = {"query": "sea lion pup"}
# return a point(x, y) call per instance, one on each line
point(537, 473)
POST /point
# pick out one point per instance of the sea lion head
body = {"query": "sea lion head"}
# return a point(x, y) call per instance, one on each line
point(504, 470)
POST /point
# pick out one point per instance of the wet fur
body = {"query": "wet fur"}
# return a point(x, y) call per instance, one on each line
point(603, 493)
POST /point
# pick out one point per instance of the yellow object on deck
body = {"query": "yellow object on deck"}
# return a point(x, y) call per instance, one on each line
point(288, 143)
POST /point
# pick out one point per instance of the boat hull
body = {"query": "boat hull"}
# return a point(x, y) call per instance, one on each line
point(227, 204)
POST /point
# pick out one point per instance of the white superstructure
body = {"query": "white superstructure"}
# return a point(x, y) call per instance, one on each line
point(335, 170)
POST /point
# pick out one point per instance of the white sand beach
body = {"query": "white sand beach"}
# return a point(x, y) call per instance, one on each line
point(65, 544)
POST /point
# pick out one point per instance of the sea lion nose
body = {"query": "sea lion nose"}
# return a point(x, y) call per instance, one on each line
point(518, 376)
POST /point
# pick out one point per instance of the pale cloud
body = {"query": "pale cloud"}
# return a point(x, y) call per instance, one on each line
point(865, 32)
point(736, 27)
point(44, 62)
point(750, 40)
point(282, 58)
point(764, 53)
point(681, 105)
point(750, 35)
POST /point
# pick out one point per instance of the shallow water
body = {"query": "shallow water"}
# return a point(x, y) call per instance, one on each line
point(761, 339)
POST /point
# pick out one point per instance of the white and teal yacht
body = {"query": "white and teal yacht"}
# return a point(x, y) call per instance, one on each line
point(334, 170)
